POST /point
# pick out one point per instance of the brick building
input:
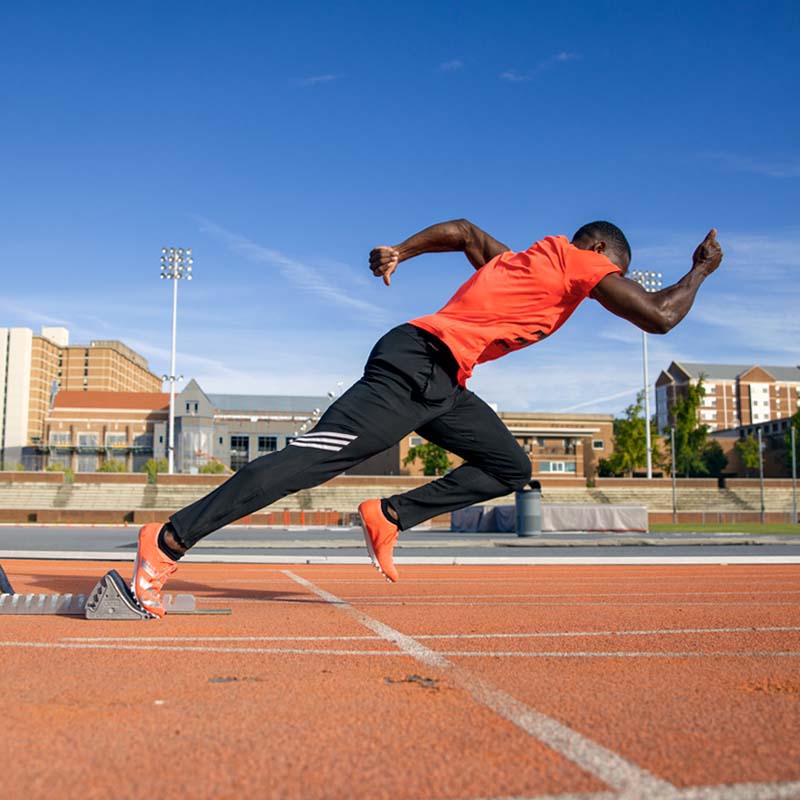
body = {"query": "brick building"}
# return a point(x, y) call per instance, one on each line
point(84, 429)
point(736, 395)
point(33, 367)
point(569, 445)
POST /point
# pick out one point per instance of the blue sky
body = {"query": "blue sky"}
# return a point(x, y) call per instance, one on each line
point(282, 141)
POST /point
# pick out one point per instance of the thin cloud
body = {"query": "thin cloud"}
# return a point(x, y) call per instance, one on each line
point(562, 57)
point(316, 80)
point(305, 276)
point(451, 66)
point(788, 167)
point(512, 76)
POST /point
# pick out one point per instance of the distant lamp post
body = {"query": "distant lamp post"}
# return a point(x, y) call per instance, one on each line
point(761, 475)
point(176, 263)
point(650, 282)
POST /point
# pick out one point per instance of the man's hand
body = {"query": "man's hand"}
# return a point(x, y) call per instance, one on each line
point(383, 262)
point(708, 255)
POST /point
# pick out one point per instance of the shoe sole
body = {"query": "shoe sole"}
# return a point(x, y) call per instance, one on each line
point(371, 550)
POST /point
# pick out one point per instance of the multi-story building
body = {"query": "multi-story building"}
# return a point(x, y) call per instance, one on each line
point(736, 395)
point(233, 428)
point(776, 455)
point(33, 367)
point(84, 429)
point(567, 445)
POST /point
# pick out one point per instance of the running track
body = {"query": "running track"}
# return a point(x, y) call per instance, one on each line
point(458, 682)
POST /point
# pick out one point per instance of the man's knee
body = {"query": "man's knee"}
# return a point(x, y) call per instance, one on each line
point(518, 473)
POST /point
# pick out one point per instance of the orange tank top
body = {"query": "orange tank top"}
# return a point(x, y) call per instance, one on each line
point(514, 300)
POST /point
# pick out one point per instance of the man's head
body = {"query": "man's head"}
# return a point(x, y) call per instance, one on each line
point(605, 238)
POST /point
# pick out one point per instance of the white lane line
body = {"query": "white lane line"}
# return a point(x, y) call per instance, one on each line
point(743, 791)
point(732, 791)
point(606, 604)
point(522, 595)
point(609, 767)
point(518, 635)
point(166, 648)
point(197, 649)
point(301, 560)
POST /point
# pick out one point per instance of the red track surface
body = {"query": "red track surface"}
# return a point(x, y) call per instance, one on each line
point(645, 680)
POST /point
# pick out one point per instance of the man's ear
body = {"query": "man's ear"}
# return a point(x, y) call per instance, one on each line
point(599, 247)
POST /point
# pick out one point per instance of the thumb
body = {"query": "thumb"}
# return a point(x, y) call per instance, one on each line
point(711, 234)
point(387, 278)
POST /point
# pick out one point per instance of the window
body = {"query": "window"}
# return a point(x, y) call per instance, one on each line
point(557, 466)
point(57, 439)
point(267, 444)
point(116, 439)
point(88, 440)
point(414, 441)
point(240, 451)
point(597, 444)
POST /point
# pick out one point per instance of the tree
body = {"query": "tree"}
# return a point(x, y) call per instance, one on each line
point(112, 465)
point(748, 450)
point(153, 466)
point(434, 458)
point(630, 441)
point(714, 459)
point(212, 468)
point(57, 466)
point(690, 435)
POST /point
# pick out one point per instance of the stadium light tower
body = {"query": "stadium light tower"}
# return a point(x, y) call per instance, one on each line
point(650, 282)
point(176, 263)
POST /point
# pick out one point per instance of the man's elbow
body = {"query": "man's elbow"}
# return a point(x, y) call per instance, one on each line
point(660, 324)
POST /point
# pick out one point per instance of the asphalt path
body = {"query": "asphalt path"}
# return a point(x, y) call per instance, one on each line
point(420, 546)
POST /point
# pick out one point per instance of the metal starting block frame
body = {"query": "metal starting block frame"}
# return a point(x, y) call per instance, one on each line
point(111, 598)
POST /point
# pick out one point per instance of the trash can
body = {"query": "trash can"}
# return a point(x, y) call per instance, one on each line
point(529, 510)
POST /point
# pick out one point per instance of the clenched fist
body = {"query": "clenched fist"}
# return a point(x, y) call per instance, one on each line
point(383, 262)
point(708, 254)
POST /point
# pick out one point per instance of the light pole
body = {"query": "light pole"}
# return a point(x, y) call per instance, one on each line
point(650, 282)
point(674, 493)
point(761, 475)
point(793, 440)
point(176, 263)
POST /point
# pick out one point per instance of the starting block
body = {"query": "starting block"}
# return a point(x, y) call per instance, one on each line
point(111, 598)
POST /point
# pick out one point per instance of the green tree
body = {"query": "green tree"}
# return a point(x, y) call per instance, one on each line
point(434, 458)
point(714, 459)
point(748, 450)
point(630, 441)
point(212, 468)
point(153, 466)
point(690, 435)
point(57, 466)
point(112, 465)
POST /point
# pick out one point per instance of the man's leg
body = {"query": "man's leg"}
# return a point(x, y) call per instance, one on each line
point(494, 463)
point(372, 415)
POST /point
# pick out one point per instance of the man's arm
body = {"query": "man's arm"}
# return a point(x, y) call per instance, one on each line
point(458, 235)
point(659, 312)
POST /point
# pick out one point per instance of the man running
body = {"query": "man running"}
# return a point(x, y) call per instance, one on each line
point(415, 380)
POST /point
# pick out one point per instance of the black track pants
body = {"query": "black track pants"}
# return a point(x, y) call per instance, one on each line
point(408, 385)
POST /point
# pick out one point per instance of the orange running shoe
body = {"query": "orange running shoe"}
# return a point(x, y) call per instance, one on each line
point(380, 536)
point(151, 570)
